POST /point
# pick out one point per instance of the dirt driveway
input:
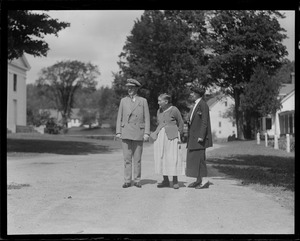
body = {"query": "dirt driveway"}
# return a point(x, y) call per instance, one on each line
point(83, 194)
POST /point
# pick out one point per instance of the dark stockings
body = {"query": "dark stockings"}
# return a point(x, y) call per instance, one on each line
point(175, 180)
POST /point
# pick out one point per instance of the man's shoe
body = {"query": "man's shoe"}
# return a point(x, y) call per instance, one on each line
point(203, 186)
point(125, 185)
point(163, 184)
point(194, 184)
point(176, 186)
point(137, 184)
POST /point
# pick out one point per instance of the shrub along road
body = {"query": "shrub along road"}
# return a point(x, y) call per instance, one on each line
point(81, 193)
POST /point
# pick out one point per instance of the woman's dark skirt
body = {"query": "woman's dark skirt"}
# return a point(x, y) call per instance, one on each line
point(196, 163)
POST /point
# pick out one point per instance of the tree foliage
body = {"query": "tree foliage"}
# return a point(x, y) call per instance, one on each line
point(283, 75)
point(165, 52)
point(62, 80)
point(37, 118)
point(260, 97)
point(26, 32)
point(108, 106)
point(36, 100)
point(86, 98)
point(89, 116)
point(239, 42)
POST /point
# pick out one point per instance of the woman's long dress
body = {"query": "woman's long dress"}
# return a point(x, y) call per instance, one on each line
point(167, 153)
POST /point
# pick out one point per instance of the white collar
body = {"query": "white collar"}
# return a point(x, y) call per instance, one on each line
point(197, 101)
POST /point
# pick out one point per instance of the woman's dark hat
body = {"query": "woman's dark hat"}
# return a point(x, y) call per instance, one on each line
point(198, 90)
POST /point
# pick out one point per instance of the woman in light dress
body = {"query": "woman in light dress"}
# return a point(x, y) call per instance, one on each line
point(167, 148)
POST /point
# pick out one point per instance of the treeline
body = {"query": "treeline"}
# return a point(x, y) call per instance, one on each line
point(95, 105)
point(240, 52)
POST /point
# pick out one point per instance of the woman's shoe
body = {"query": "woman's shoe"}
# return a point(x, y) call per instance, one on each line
point(163, 184)
point(203, 186)
point(194, 184)
point(125, 185)
point(137, 184)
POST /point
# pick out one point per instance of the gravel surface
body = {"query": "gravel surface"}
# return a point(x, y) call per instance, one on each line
point(83, 194)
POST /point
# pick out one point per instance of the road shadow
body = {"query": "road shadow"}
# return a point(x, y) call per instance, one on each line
point(60, 147)
point(152, 182)
point(147, 181)
point(255, 160)
point(260, 169)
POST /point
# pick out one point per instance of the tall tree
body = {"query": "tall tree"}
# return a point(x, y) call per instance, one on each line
point(26, 31)
point(61, 81)
point(108, 106)
point(36, 100)
point(165, 51)
point(260, 96)
point(86, 98)
point(240, 41)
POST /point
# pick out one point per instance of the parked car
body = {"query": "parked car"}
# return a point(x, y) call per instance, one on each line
point(52, 127)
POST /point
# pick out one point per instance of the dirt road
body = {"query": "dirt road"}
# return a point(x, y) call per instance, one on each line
point(83, 194)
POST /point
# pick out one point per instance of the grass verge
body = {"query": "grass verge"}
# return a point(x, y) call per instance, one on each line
point(263, 168)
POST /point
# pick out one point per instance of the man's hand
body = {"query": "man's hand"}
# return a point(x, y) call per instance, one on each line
point(118, 136)
point(146, 137)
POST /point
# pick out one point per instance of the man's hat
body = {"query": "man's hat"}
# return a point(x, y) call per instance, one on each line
point(133, 82)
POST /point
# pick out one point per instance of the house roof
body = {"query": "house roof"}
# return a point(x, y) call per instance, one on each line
point(21, 62)
point(286, 89)
point(286, 97)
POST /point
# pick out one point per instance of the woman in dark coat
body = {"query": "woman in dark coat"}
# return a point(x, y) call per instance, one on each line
point(199, 138)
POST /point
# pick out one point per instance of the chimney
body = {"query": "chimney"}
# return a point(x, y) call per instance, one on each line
point(293, 78)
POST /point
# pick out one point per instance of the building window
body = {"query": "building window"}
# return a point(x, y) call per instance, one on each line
point(291, 125)
point(225, 103)
point(220, 124)
point(268, 123)
point(15, 82)
point(220, 132)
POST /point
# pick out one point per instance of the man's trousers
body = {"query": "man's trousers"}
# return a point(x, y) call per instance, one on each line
point(132, 150)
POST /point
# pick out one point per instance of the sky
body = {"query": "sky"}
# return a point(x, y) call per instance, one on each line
point(99, 36)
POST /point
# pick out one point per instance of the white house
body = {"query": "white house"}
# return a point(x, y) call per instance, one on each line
point(221, 125)
point(283, 121)
point(16, 93)
point(75, 119)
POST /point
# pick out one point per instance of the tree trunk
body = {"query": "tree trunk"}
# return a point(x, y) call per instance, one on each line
point(238, 116)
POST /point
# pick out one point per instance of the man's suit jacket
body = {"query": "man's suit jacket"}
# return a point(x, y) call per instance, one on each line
point(133, 119)
point(199, 127)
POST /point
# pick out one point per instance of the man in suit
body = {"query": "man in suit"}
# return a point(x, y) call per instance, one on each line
point(133, 127)
point(199, 138)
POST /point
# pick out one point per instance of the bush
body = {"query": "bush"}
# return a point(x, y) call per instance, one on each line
point(36, 118)
point(52, 127)
point(282, 143)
